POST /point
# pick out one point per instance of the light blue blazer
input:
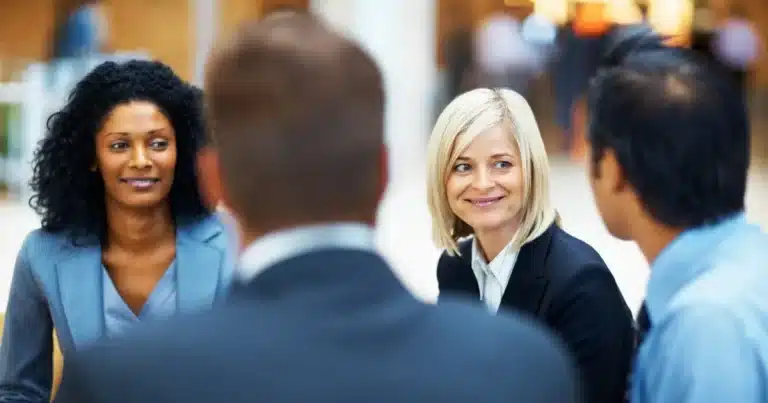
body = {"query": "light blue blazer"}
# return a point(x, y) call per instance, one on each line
point(58, 285)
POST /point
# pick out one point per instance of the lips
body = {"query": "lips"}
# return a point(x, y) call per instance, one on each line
point(140, 183)
point(484, 201)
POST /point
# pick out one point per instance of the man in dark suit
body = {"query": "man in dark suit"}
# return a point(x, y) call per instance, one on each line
point(297, 113)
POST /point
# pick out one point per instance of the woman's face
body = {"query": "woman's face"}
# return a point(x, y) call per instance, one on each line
point(136, 155)
point(485, 186)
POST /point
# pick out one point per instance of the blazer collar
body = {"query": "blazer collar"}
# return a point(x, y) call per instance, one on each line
point(331, 277)
point(79, 273)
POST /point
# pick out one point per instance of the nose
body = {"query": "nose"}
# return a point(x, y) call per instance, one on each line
point(140, 158)
point(482, 180)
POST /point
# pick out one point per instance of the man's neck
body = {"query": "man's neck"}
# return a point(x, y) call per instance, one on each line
point(652, 237)
point(250, 234)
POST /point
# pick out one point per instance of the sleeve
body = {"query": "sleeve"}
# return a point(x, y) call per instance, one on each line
point(26, 352)
point(702, 354)
point(591, 316)
point(446, 274)
point(72, 388)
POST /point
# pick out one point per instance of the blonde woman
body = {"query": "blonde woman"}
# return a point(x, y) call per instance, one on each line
point(488, 182)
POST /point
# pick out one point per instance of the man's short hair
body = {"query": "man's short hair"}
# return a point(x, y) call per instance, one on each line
point(679, 130)
point(297, 114)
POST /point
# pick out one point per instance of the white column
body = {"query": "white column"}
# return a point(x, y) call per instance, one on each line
point(205, 14)
point(400, 35)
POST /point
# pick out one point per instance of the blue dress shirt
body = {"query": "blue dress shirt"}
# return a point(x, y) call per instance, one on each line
point(707, 303)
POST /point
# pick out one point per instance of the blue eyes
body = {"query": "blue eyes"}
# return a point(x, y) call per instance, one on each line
point(463, 167)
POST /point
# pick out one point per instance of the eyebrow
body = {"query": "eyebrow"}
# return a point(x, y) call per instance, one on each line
point(497, 155)
point(126, 134)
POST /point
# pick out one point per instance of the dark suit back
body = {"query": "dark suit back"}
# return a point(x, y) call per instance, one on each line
point(327, 326)
point(563, 282)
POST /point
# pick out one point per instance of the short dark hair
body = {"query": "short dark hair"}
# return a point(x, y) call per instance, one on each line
point(67, 194)
point(297, 115)
point(679, 130)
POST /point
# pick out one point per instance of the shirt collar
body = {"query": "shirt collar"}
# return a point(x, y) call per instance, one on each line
point(493, 267)
point(685, 259)
point(285, 244)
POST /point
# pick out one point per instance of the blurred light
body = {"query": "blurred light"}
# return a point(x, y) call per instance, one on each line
point(591, 19)
point(623, 11)
point(539, 30)
point(553, 10)
point(671, 17)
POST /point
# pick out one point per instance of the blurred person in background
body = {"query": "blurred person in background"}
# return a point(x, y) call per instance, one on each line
point(297, 111)
point(576, 60)
point(82, 30)
point(460, 65)
point(504, 57)
point(737, 45)
point(669, 156)
point(488, 194)
point(125, 236)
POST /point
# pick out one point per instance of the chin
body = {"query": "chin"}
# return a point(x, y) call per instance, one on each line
point(144, 202)
point(487, 225)
point(617, 233)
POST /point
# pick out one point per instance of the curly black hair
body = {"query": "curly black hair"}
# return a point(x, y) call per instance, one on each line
point(67, 194)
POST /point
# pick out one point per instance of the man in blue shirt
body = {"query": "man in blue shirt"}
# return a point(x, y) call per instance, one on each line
point(669, 143)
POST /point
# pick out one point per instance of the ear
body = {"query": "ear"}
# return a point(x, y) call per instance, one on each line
point(209, 177)
point(612, 172)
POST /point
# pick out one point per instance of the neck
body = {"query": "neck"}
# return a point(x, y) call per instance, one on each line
point(492, 242)
point(652, 237)
point(139, 230)
point(250, 234)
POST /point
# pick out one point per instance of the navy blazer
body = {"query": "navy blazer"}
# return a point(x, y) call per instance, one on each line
point(331, 325)
point(565, 283)
point(58, 285)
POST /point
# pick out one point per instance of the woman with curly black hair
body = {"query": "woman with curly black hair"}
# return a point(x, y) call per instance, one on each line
point(125, 235)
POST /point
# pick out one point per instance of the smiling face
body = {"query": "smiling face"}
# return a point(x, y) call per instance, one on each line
point(485, 186)
point(136, 155)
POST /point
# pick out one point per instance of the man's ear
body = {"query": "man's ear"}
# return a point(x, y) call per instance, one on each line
point(209, 177)
point(612, 172)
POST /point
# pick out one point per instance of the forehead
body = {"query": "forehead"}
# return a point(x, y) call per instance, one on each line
point(492, 141)
point(139, 116)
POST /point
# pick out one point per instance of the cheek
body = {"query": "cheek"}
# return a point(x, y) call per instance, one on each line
point(455, 186)
point(108, 164)
point(167, 160)
point(512, 182)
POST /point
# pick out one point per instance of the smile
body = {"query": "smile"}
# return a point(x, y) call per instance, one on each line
point(140, 183)
point(484, 201)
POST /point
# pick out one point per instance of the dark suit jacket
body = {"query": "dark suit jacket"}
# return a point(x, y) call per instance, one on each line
point(564, 282)
point(327, 326)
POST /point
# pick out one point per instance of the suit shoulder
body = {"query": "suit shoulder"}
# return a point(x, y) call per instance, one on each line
point(448, 263)
point(572, 255)
point(533, 342)
point(43, 244)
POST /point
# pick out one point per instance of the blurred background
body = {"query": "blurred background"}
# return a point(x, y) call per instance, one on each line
point(429, 51)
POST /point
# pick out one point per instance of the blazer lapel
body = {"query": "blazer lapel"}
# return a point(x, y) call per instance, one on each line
point(79, 273)
point(198, 265)
point(528, 281)
point(460, 277)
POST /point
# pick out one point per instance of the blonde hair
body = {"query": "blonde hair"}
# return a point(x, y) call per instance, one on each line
point(468, 116)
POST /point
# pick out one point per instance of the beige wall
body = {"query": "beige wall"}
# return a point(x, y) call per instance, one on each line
point(163, 28)
point(25, 26)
